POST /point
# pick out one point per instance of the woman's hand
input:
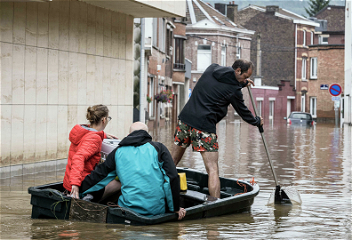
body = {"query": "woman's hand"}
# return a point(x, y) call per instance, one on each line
point(74, 191)
point(181, 213)
point(111, 136)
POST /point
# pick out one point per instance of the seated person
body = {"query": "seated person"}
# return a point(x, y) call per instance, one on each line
point(84, 153)
point(149, 180)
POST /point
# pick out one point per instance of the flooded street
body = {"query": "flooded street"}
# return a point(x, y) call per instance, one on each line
point(315, 160)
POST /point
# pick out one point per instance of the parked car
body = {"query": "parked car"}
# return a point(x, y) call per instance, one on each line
point(300, 118)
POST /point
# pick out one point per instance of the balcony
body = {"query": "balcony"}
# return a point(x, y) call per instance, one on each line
point(179, 66)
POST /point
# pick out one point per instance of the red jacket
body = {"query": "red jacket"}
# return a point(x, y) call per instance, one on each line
point(83, 156)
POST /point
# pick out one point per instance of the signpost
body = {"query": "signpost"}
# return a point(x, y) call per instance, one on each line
point(335, 90)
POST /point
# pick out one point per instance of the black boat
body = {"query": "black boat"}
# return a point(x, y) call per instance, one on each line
point(48, 201)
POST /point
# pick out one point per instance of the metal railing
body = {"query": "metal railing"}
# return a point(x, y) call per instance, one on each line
point(180, 66)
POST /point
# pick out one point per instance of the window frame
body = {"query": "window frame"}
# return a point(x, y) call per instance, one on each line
point(311, 38)
point(313, 106)
point(223, 56)
point(304, 69)
point(304, 37)
point(203, 51)
point(315, 65)
point(179, 53)
point(303, 103)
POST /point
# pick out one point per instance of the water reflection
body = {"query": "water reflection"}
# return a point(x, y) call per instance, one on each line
point(315, 160)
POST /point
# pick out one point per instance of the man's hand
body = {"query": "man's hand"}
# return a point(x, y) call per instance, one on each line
point(111, 136)
point(261, 120)
point(250, 82)
point(75, 192)
point(181, 213)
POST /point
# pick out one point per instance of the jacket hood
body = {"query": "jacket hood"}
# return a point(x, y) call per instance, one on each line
point(78, 132)
point(225, 75)
point(136, 138)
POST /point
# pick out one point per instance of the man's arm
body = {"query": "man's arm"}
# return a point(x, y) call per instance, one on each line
point(100, 172)
point(237, 102)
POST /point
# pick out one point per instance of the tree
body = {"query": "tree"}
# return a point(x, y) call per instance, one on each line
point(315, 6)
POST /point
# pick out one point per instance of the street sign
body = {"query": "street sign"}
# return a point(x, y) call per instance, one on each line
point(324, 86)
point(335, 89)
point(336, 104)
point(336, 98)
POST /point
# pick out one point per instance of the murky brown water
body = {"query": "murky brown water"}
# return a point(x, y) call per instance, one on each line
point(316, 161)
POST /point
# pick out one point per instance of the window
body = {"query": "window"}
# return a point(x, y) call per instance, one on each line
point(303, 102)
point(311, 38)
point(259, 107)
point(238, 55)
point(323, 39)
point(313, 68)
point(223, 56)
point(304, 37)
point(313, 106)
point(203, 57)
point(162, 33)
point(271, 109)
point(304, 68)
point(179, 59)
point(168, 42)
point(155, 32)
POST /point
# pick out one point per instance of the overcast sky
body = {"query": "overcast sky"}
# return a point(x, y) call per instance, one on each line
point(296, 6)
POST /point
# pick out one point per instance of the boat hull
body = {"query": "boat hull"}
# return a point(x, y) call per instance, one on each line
point(236, 196)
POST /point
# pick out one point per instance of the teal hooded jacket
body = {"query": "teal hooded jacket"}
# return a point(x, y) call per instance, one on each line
point(149, 180)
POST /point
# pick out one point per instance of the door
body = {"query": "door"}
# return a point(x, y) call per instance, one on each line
point(288, 107)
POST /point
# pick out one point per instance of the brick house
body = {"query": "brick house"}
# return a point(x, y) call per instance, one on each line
point(213, 37)
point(284, 39)
point(165, 66)
point(326, 61)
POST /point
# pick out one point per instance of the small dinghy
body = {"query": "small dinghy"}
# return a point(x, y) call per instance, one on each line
point(48, 201)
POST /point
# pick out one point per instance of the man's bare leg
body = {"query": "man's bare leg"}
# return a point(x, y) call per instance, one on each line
point(211, 165)
point(177, 153)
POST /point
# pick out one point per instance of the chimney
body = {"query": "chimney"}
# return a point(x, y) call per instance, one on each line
point(272, 9)
point(232, 12)
point(221, 7)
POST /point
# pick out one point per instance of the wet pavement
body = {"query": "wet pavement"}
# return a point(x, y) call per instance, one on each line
point(315, 160)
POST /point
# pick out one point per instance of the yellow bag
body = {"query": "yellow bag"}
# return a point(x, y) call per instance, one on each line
point(183, 182)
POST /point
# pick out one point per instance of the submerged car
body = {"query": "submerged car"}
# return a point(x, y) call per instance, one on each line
point(300, 118)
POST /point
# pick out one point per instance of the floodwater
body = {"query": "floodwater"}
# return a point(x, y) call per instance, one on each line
point(316, 161)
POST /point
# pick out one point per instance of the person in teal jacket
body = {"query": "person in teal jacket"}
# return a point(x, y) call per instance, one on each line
point(149, 180)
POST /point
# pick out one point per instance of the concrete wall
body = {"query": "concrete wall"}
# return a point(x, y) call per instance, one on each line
point(57, 59)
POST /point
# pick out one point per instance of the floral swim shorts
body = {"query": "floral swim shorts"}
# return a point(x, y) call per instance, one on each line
point(201, 141)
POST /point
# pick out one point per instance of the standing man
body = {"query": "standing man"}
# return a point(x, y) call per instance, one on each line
point(216, 89)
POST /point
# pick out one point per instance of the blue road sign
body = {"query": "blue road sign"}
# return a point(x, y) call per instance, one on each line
point(335, 89)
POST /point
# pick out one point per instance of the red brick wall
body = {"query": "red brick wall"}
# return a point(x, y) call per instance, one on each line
point(330, 71)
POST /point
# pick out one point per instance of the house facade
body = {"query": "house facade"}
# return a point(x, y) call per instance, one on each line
point(326, 63)
point(58, 58)
point(279, 49)
point(165, 67)
point(213, 37)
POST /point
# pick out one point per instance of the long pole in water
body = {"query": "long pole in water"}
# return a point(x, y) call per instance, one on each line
point(261, 130)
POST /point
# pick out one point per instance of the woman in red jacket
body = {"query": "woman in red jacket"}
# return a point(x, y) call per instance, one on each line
point(84, 153)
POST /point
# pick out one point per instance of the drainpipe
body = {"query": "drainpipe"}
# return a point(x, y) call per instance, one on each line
point(142, 95)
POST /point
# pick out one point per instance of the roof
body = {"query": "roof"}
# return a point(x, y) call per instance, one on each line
point(198, 11)
point(284, 13)
point(335, 16)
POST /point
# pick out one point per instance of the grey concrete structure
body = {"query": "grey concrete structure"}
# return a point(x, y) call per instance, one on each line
point(58, 58)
